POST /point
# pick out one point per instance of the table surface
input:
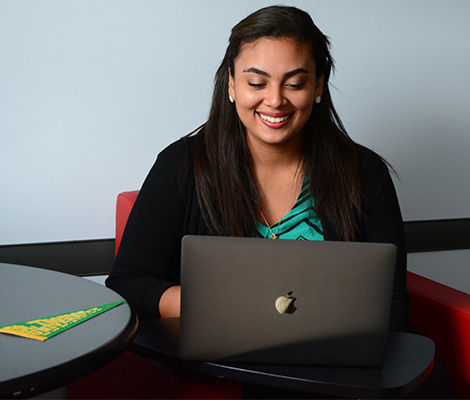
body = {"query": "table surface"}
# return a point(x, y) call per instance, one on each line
point(31, 367)
point(408, 362)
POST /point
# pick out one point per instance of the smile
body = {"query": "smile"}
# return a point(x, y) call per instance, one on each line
point(274, 120)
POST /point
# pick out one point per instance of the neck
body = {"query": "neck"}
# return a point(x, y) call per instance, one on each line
point(275, 157)
point(278, 173)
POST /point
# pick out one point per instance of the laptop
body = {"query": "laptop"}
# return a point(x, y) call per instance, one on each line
point(285, 301)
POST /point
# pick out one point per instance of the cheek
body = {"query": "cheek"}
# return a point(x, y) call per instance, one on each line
point(249, 100)
point(304, 105)
point(304, 102)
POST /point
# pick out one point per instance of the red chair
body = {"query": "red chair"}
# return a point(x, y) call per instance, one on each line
point(436, 311)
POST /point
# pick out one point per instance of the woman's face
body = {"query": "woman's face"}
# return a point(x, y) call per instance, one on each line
point(274, 88)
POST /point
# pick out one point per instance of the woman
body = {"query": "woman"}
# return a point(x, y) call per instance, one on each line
point(272, 160)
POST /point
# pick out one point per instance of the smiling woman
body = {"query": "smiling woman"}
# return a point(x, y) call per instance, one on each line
point(273, 160)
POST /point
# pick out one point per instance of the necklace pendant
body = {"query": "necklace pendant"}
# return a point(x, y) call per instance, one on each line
point(273, 236)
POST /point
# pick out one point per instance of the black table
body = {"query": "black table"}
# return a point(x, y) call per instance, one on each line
point(409, 360)
point(30, 367)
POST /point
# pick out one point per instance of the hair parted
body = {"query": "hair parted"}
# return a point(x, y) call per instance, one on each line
point(225, 185)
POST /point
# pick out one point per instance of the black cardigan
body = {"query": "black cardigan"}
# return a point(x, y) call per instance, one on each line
point(167, 208)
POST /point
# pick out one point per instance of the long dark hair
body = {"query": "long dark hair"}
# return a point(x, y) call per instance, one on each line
point(226, 188)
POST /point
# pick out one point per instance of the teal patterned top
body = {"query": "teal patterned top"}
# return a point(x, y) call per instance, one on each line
point(300, 223)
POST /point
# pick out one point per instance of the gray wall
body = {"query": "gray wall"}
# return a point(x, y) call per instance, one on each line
point(91, 91)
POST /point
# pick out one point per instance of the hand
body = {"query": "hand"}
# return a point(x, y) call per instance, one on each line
point(170, 303)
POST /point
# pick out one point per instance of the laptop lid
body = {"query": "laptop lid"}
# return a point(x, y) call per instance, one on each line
point(285, 301)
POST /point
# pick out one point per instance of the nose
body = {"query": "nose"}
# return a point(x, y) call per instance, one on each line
point(274, 96)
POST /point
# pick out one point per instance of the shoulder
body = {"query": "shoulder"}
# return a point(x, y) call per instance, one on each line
point(172, 163)
point(375, 171)
point(175, 158)
point(371, 161)
point(178, 151)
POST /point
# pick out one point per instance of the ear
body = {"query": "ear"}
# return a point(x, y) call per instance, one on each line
point(319, 86)
point(231, 84)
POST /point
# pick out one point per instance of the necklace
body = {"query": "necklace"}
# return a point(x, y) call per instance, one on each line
point(273, 234)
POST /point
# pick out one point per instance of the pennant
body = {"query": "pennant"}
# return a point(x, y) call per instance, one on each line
point(45, 328)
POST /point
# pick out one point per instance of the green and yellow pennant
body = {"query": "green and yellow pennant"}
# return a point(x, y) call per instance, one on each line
point(45, 328)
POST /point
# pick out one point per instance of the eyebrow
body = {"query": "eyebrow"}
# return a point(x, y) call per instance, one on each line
point(286, 75)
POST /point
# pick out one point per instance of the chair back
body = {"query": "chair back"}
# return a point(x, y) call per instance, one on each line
point(125, 202)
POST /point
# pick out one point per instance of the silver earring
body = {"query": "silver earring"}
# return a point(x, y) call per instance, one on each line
point(317, 99)
point(230, 98)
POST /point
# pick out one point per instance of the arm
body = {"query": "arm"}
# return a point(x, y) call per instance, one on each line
point(147, 263)
point(382, 222)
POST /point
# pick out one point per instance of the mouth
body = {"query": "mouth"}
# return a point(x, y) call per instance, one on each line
point(275, 120)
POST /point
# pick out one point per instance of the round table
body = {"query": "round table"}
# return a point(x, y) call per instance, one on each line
point(31, 367)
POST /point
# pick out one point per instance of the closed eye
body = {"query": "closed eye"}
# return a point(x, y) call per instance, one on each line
point(256, 85)
point(296, 86)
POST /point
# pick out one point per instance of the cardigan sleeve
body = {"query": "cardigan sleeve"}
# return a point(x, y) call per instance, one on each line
point(382, 222)
point(148, 259)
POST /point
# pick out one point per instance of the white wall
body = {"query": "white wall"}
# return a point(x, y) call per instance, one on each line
point(91, 91)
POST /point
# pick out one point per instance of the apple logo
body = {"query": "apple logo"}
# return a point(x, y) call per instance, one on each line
point(285, 304)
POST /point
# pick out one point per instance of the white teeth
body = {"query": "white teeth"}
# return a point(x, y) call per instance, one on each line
point(274, 120)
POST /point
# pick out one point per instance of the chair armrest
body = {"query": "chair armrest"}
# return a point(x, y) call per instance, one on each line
point(443, 314)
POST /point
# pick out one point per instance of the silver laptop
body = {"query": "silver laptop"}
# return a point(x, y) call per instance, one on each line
point(285, 301)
